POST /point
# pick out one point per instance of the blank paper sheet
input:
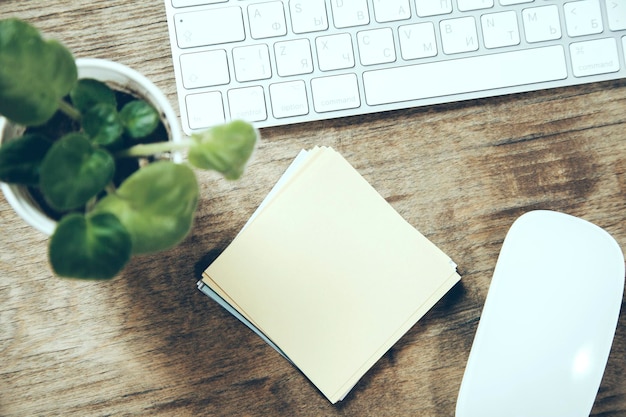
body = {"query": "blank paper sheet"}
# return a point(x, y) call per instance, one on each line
point(330, 272)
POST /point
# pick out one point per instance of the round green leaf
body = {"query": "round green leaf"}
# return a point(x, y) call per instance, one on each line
point(156, 205)
point(20, 159)
point(102, 123)
point(224, 148)
point(92, 247)
point(34, 73)
point(139, 118)
point(88, 92)
point(74, 171)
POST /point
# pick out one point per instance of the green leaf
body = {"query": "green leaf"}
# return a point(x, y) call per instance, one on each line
point(91, 247)
point(74, 171)
point(88, 92)
point(156, 205)
point(102, 123)
point(20, 159)
point(139, 118)
point(224, 148)
point(34, 73)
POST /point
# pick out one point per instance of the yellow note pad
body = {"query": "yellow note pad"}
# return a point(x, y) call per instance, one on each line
point(330, 272)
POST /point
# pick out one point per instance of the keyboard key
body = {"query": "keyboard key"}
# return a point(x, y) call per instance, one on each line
point(334, 52)
point(594, 57)
point(583, 17)
point(293, 57)
point(204, 110)
point(350, 13)
point(209, 27)
point(616, 12)
point(289, 99)
point(267, 20)
point(334, 93)
point(417, 41)
point(204, 69)
point(541, 23)
point(247, 104)
point(187, 3)
point(500, 29)
point(391, 10)
point(427, 8)
point(376, 46)
point(511, 2)
point(506, 69)
point(459, 35)
point(308, 16)
point(467, 5)
point(252, 63)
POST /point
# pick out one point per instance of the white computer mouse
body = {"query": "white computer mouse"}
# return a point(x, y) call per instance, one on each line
point(548, 323)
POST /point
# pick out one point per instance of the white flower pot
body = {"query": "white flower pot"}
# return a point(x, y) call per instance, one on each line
point(119, 77)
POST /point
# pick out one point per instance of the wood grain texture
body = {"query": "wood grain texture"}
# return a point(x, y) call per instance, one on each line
point(148, 343)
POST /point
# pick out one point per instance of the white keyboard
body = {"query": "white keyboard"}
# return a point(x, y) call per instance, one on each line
point(290, 61)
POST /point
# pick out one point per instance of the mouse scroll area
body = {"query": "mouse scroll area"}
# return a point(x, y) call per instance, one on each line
point(548, 322)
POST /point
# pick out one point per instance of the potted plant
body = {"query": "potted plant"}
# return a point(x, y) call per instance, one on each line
point(91, 147)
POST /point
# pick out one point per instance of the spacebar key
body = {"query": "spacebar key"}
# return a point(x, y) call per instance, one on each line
point(464, 75)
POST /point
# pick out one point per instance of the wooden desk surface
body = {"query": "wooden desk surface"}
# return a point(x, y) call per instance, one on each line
point(149, 343)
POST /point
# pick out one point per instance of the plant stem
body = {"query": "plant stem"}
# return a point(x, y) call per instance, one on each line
point(153, 148)
point(90, 205)
point(68, 110)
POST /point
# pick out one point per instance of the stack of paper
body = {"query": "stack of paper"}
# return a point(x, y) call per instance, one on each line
point(328, 273)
